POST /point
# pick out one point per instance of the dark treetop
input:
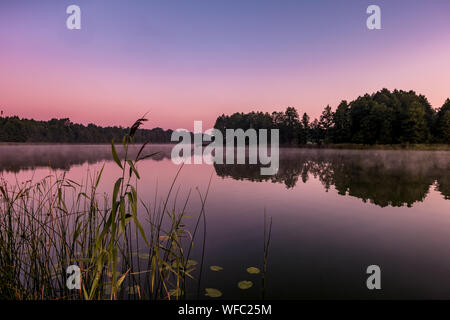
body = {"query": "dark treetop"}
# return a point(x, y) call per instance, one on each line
point(384, 117)
point(13, 129)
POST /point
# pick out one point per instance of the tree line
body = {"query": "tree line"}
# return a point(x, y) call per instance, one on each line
point(385, 117)
point(387, 179)
point(14, 129)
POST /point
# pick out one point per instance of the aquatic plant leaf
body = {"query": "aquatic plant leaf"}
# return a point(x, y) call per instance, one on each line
point(245, 284)
point(115, 156)
point(213, 293)
point(133, 169)
point(119, 281)
point(253, 270)
point(216, 268)
point(191, 263)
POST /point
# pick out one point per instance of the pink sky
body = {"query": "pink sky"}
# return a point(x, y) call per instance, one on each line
point(51, 72)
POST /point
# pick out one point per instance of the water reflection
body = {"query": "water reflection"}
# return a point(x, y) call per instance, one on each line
point(321, 243)
point(385, 178)
point(15, 158)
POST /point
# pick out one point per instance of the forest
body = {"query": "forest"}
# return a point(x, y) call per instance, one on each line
point(385, 117)
point(14, 129)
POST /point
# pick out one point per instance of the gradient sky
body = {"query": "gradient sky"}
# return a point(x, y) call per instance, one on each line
point(194, 60)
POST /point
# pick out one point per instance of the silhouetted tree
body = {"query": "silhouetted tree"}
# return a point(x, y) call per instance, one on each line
point(326, 124)
point(384, 117)
point(342, 124)
point(13, 129)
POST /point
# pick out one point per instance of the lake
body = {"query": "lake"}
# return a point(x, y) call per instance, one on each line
point(334, 213)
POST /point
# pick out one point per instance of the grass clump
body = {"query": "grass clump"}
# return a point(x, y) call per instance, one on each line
point(57, 222)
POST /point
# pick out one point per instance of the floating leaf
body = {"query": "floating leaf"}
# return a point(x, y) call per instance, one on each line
point(253, 270)
point(216, 268)
point(213, 293)
point(245, 284)
point(191, 263)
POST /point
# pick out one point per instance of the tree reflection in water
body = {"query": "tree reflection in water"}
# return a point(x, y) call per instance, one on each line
point(383, 177)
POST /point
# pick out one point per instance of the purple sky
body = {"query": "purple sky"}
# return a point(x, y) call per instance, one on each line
point(194, 60)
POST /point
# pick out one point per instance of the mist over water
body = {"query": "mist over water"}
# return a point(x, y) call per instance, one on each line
point(16, 158)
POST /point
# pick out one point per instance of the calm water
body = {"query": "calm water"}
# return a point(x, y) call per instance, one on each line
point(334, 213)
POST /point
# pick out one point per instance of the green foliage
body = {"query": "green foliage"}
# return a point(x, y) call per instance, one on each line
point(288, 123)
point(245, 284)
point(46, 226)
point(385, 117)
point(253, 270)
point(443, 123)
point(212, 293)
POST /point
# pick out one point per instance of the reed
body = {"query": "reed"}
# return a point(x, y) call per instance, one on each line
point(47, 225)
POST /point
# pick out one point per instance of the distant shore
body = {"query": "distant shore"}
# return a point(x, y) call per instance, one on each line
point(343, 146)
point(73, 143)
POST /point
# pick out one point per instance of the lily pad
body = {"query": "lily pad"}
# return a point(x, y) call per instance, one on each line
point(213, 293)
point(253, 270)
point(244, 285)
point(216, 268)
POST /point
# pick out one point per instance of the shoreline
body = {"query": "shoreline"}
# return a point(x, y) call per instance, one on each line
point(343, 146)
